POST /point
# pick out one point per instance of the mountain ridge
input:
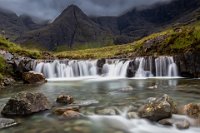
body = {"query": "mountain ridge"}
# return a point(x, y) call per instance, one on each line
point(73, 28)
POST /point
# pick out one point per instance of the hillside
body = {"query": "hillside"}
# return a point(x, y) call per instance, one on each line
point(169, 42)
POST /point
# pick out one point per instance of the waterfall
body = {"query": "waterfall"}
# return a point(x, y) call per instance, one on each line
point(116, 68)
point(165, 66)
point(139, 67)
point(141, 72)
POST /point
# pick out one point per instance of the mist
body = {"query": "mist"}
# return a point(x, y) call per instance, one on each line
point(50, 9)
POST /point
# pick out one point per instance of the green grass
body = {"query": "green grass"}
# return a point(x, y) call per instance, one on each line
point(2, 67)
point(17, 49)
point(108, 51)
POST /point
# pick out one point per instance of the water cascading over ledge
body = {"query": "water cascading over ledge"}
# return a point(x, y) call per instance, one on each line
point(139, 67)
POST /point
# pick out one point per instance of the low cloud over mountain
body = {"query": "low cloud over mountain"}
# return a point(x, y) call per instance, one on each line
point(49, 9)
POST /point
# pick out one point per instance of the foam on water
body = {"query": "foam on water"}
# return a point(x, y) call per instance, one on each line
point(137, 125)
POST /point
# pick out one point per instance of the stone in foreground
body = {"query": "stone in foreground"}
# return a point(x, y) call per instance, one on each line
point(32, 77)
point(65, 99)
point(158, 109)
point(26, 103)
point(5, 123)
point(192, 110)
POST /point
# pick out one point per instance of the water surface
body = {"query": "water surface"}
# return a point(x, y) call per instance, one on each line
point(108, 93)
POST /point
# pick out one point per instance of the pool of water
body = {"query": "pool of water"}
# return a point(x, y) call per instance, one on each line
point(108, 93)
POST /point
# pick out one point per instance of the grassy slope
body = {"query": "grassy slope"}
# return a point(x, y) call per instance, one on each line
point(16, 49)
point(177, 40)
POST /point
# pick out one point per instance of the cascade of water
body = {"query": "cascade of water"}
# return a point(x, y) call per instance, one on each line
point(124, 68)
point(144, 67)
point(165, 66)
point(141, 72)
point(116, 68)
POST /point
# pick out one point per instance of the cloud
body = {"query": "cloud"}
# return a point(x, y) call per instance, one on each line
point(49, 9)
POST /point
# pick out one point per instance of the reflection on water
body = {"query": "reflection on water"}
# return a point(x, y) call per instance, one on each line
point(109, 93)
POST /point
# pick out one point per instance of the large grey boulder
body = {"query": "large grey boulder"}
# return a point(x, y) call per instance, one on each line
point(158, 108)
point(26, 103)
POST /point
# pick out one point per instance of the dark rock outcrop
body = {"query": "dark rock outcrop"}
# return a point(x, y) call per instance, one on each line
point(32, 77)
point(189, 64)
point(26, 103)
point(158, 109)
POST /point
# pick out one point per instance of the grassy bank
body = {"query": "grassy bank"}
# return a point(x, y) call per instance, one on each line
point(17, 49)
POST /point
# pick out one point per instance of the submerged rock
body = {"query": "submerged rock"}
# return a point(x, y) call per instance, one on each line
point(61, 110)
point(65, 99)
point(107, 111)
point(132, 115)
point(32, 77)
point(70, 114)
point(26, 103)
point(166, 122)
point(86, 103)
point(158, 109)
point(5, 123)
point(182, 125)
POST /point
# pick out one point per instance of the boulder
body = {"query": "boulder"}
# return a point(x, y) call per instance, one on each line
point(158, 109)
point(32, 77)
point(65, 99)
point(5, 123)
point(26, 103)
point(192, 110)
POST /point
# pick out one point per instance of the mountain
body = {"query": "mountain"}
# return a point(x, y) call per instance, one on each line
point(71, 28)
point(139, 23)
point(10, 24)
point(74, 29)
point(13, 26)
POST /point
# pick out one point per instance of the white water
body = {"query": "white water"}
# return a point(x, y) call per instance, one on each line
point(143, 67)
point(138, 125)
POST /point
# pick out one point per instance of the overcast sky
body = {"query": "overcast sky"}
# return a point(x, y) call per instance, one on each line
point(49, 9)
